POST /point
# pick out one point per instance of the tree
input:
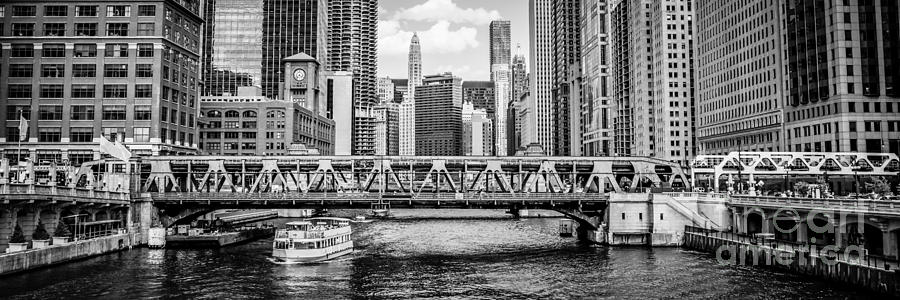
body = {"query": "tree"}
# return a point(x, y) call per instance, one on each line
point(17, 236)
point(879, 186)
point(40, 233)
point(62, 229)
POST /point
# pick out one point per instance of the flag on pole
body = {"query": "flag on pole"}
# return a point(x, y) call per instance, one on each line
point(116, 150)
point(23, 128)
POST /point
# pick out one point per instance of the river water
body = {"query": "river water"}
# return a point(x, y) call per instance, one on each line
point(421, 258)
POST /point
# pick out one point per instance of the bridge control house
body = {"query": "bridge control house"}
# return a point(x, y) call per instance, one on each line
point(251, 124)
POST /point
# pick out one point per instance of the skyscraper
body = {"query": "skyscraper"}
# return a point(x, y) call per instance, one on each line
point(661, 77)
point(744, 86)
point(519, 75)
point(246, 40)
point(566, 64)
point(439, 116)
point(623, 138)
point(843, 75)
point(352, 41)
point(480, 94)
point(595, 109)
point(502, 91)
point(500, 42)
point(126, 70)
point(408, 106)
point(540, 114)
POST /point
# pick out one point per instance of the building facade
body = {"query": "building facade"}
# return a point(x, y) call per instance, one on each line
point(566, 65)
point(519, 75)
point(385, 90)
point(387, 129)
point(740, 79)
point(500, 47)
point(843, 76)
point(246, 40)
point(502, 92)
point(255, 125)
point(481, 94)
point(352, 41)
point(408, 105)
point(76, 70)
point(594, 111)
point(439, 116)
point(623, 125)
point(540, 119)
point(477, 131)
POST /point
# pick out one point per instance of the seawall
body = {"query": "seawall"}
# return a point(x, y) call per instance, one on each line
point(16, 262)
point(797, 261)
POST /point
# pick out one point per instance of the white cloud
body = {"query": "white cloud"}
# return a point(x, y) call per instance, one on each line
point(446, 10)
point(439, 39)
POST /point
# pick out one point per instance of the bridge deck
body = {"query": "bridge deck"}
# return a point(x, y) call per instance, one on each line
point(365, 200)
point(873, 207)
point(23, 192)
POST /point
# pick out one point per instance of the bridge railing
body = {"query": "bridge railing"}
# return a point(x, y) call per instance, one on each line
point(876, 206)
point(41, 192)
point(373, 197)
point(698, 196)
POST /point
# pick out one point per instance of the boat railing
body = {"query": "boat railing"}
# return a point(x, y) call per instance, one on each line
point(312, 234)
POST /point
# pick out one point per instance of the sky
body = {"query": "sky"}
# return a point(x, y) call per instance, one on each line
point(454, 34)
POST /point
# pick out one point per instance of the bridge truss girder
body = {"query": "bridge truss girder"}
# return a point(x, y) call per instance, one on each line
point(795, 163)
point(408, 175)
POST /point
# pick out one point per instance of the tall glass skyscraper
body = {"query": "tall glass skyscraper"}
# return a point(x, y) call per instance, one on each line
point(246, 40)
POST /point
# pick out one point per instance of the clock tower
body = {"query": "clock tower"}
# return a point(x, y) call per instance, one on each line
point(303, 83)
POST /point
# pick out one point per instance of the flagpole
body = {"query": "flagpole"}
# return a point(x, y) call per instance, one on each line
point(19, 138)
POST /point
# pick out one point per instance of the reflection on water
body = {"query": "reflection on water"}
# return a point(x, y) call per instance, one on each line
point(438, 259)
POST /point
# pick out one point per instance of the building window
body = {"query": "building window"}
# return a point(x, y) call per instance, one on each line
point(142, 113)
point(54, 50)
point(248, 146)
point(114, 133)
point(19, 91)
point(2, 11)
point(213, 146)
point(53, 70)
point(24, 11)
point(52, 91)
point(146, 10)
point(231, 135)
point(118, 11)
point(21, 70)
point(114, 112)
point(144, 70)
point(54, 29)
point(83, 91)
point(56, 11)
point(116, 50)
point(164, 114)
point(50, 112)
point(250, 114)
point(49, 135)
point(86, 29)
point(146, 29)
point(22, 50)
point(141, 135)
point(249, 125)
point(82, 112)
point(248, 135)
point(115, 70)
point(117, 29)
point(85, 50)
point(119, 91)
point(86, 11)
point(232, 114)
point(22, 29)
point(81, 134)
point(143, 91)
point(145, 50)
point(232, 125)
point(84, 70)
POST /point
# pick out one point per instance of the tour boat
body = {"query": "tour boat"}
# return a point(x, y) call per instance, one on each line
point(313, 240)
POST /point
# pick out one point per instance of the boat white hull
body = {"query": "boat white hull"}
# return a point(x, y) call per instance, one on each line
point(312, 255)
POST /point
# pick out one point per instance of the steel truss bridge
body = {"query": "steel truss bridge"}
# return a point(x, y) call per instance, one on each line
point(754, 164)
point(416, 176)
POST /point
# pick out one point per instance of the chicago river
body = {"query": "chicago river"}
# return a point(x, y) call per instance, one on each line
point(485, 257)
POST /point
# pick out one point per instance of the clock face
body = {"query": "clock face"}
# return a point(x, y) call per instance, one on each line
point(299, 74)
